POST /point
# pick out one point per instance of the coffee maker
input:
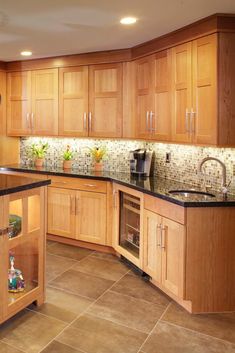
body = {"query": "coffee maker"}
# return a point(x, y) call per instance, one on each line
point(141, 162)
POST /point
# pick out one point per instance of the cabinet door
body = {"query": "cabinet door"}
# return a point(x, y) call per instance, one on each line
point(105, 100)
point(204, 118)
point(73, 101)
point(18, 103)
point(61, 212)
point(152, 245)
point(173, 239)
point(161, 96)
point(143, 88)
point(91, 213)
point(45, 102)
point(181, 92)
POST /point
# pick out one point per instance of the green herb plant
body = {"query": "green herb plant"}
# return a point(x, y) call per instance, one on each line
point(39, 151)
point(68, 154)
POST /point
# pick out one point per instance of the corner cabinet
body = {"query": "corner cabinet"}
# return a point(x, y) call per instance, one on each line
point(32, 103)
point(77, 209)
point(22, 245)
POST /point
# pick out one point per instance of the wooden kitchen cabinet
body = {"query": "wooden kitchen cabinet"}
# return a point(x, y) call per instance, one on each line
point(91, 101)
point(19, 103)
point(91, 217)
point(194, 91)
point(61, 212)
point(163, 257)
point(76, 213)
point(22, 239)
point(32, 103)
point(152, 106)
point(105, 100)
point(73, 101)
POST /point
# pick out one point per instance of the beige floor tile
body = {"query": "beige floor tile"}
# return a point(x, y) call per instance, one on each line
point(168, 338)
point(137, 287)
point(5, 348)
point(217, 325)
point(128, 311)
point(69, 251)
point(30, 331)
point(57, 347)
point(104, 256)
point(62, 305)
point(56, 265)
point(103, 268)
point(95, 335)
point(82, 284)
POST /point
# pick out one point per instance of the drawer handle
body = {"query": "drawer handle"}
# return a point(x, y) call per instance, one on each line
point(90, 185)
point(59, 182)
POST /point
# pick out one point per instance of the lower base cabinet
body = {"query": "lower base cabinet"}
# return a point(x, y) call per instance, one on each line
point(77, 214)
point(163, 254)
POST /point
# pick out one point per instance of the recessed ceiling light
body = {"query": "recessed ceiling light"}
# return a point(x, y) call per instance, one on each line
point(26, 53)
point(128, 20)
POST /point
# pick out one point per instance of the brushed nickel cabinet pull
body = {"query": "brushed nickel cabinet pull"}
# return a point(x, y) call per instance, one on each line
point(192, 121)
point(85, 121)
point(159, 243)
point(152, 129)
point(90, 121)
point(90, 185)
point(32, 121)
point(147, 121)
point(163, 238)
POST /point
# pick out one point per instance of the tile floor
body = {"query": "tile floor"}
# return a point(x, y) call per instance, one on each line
point(96, 304)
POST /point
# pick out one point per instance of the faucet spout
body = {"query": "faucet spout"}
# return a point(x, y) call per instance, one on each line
point(224, 183)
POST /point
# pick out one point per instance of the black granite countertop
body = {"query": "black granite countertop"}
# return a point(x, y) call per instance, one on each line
point(10, 184)
point(154, 186)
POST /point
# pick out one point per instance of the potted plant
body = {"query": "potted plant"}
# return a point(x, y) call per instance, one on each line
point(67, 157)
point(98, 153)
point(39, 151)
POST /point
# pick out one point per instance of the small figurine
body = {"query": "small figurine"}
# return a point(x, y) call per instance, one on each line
point(15, 278)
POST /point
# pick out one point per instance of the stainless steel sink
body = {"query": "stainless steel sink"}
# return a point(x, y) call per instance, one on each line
point(191, 194)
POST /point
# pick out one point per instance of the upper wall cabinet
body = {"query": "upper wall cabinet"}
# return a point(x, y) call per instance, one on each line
point(194, 91)
point(73, 101)
point(32, 103)
point(91, 101)
point(152, 96)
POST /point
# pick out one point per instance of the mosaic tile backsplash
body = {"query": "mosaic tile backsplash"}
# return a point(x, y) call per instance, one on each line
point(183, 164)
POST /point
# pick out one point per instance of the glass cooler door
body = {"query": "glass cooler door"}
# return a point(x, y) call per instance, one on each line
point(129, 234)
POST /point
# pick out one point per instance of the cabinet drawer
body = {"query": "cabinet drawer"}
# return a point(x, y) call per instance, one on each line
point(165, 208)
point(79, 184)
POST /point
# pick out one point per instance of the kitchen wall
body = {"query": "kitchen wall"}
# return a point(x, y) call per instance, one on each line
point(182, 167)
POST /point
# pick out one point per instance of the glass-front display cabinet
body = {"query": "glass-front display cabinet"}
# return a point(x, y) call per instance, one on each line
point(22, 242)
point(128, 213)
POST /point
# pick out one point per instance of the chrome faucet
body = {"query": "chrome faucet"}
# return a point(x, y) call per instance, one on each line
point(224, 186)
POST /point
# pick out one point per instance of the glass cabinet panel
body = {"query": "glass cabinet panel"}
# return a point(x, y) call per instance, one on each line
point(129, 234)
point(23, 268)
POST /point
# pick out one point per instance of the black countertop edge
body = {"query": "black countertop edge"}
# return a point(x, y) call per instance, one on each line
point(161, 195)
point(30, 185)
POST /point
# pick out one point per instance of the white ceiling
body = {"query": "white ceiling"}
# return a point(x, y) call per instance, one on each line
point(61, 27)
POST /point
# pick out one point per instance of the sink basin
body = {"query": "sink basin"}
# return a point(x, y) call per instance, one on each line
point(191, 194)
